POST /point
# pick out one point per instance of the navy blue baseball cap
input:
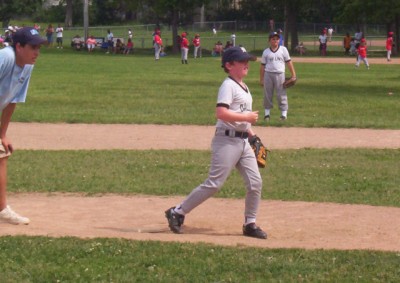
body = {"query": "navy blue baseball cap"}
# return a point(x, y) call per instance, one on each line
point(272, 34)
point(28, 35)
point(238, 54)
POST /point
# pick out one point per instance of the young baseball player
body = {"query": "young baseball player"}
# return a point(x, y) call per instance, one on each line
point(230, 146)
point(272, 75)
point(158, 44)
point(16, 64)
point(184, 48)
point(196, 44)
point(389, 45)
point(362, 53)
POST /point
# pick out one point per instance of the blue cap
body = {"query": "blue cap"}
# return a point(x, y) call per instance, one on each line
point(238, 54)
point(28, 35)
point(272, 34)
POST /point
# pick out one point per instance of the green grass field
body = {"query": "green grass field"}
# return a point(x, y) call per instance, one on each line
point(77, 87)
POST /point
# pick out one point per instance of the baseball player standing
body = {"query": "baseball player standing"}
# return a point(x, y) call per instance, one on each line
point(230, 146)
point(16, 65)
point(184, 48)
point(389, 45)
point(362, 54)
point(272, 75)
point(196, 44)
point(158, 44)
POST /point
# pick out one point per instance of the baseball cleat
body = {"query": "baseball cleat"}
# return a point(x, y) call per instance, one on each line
point(252, 230)
point(283, 118)
point(175, 220)
point(266, 118)
point(10, 216)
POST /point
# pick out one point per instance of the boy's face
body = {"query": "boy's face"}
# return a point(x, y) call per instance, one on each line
point(274, 41)
point(238, 69)
point(26, 54)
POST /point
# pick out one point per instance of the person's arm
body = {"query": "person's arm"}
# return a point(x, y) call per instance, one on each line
point(227, 115)
point(262, 72)
point(291, 69)
point(5, 121)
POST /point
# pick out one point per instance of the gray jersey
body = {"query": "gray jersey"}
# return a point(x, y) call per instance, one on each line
point(275, 61)
point(238, 99)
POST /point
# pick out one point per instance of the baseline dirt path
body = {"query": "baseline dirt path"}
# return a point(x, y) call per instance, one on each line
point(289, 224)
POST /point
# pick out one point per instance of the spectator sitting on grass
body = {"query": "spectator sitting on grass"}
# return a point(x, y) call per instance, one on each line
point(301, 48)
point(218, 48)
point(77, 43)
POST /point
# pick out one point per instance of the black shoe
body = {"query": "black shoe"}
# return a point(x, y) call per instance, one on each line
point(175, 220)
point(283, 118)
point(252, 230)
point(266, 118)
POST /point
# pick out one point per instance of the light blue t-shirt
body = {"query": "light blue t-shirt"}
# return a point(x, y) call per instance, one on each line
point(14, 80)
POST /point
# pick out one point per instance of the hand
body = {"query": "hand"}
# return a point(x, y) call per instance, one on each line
point(7, 145)
point(262, 82)
point(252, 117)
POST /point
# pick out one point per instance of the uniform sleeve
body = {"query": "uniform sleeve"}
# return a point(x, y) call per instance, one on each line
point(264, 58)
point(6, 63)
point(225, 94)
point(286, 55)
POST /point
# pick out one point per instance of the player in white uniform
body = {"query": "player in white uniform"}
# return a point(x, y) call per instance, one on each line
point(230, 146)
point(272, 75)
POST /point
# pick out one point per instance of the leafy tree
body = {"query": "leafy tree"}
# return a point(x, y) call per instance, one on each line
point(10, 8)
point(174, 12)
point(361, 11)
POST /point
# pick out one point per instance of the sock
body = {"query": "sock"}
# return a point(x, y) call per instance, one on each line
point(178, 209)
point(267, 112)
point(248, 220)
point(284, 113)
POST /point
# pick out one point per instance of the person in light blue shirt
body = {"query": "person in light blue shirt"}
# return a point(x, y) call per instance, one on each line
point(16, 65)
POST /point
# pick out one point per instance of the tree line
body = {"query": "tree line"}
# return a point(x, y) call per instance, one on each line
point(184, 12)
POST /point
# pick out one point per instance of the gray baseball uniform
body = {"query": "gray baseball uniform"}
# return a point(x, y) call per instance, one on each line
point(274, 76)
point(230, 148)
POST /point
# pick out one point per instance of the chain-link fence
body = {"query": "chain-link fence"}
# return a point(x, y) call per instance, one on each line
point(252, 35)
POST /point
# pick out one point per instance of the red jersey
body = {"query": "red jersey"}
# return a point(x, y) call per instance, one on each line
point(157, 39)
point(184, 43)
point(362, 50)
point(389, 43)
point(196, 41)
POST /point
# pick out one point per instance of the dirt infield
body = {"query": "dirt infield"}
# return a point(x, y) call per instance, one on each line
point(289, 224)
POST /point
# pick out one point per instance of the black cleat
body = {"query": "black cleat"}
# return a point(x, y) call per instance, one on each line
point(252, 230)
point(266, 118)
point(283, 118)
point(175, 220)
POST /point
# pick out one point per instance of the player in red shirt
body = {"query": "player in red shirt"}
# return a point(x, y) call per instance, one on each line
point(389, 45)
point(196, 44)
point(184, 48)
point(158, 44)
point(362, 53)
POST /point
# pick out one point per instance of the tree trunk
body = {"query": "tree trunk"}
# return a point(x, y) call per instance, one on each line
point(175, 47)
point(291, 8)
point(68, 14)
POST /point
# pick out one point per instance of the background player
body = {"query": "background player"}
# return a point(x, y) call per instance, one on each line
point(362, 53)
point(16, 65)
point(230, 146)
point(389, 45)
point(158, 44)
point(272, 75)
point(196, 44)
point(184, 48)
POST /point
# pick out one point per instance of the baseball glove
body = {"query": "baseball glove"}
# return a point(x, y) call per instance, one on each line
point(259, 150)
point(289, 82)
